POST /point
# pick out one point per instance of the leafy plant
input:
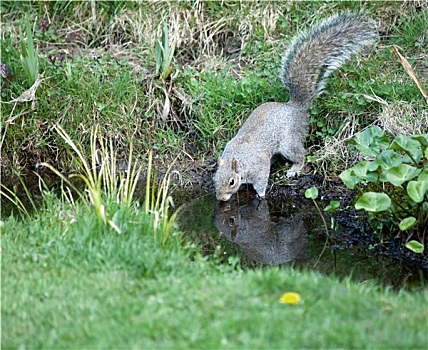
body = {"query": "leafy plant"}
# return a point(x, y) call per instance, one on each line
point(393, 182)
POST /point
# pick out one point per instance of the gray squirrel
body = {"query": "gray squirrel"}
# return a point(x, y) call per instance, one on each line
point(280, 128)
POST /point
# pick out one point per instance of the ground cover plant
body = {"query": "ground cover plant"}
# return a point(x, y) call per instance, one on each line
point(396, 179)
point(108, 269)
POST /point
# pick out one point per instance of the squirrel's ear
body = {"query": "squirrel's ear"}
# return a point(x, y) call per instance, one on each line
point(220, 161)
point(235, 166)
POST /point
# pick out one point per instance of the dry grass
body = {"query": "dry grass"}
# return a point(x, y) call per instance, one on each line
point(401, 118)
point(199, 34)
point(337, 147)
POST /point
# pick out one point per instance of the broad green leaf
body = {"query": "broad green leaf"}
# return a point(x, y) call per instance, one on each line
point(404, 143)
point(422, 139)
point(388, 159)
point(400, 174)
point(411, 147)
point(332, 206)
point(416, 190)
point(366, 171)
point(311, 193)
point(370, 141)
point(373, 202)
point(407, 223)
point(349, 178)
point(415, 246)
point(423, 176)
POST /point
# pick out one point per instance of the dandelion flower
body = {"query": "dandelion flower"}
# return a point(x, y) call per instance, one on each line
point(290, 298)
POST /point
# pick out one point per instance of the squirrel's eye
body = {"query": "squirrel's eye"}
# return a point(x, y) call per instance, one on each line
point(231, 221)
point(232, 182)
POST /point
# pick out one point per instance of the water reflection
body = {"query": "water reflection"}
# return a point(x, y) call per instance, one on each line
point(288, 232)
point(262, 239)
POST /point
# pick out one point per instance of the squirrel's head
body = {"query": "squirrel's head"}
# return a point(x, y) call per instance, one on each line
point(227, 178)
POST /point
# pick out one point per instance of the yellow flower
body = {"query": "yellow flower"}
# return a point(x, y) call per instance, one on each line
point(290, 298)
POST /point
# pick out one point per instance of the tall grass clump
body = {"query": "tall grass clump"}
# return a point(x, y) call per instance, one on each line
point(30, 54)
point(105, 187)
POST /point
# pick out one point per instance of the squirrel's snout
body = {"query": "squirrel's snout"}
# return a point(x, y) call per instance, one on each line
point(223, 196)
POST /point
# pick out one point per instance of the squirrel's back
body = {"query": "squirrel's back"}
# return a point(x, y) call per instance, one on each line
point(316, 53)
point(278, 128)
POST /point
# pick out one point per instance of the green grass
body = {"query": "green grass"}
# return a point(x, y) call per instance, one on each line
point(66, 285)
point(70, 282)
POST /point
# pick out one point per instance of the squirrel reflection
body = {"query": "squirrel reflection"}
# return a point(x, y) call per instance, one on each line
point(263, 239)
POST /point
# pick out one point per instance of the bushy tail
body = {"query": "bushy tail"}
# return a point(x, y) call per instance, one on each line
point(316, 53)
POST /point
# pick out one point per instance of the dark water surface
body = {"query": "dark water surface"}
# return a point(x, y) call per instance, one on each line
point(263, 233)
point(278, 232)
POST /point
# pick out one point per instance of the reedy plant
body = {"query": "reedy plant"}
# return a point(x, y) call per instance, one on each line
point(105, 185)
point(164, 54)
point(107, 192)
point(118, 186)
point(156, 205)
point(16, 201)
point(91, 174)
point(29, 54)
point(98, 171)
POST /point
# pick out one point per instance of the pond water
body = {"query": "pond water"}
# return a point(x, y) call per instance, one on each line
point(262, 233)
point(284, 232)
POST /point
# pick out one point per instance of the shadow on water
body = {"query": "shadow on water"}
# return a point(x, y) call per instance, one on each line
point(262, 233)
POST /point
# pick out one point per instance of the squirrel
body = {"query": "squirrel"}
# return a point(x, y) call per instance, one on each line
point(280, 128)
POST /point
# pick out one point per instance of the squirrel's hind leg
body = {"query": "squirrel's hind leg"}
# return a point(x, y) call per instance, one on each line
point(295, 169)
point(296, 155)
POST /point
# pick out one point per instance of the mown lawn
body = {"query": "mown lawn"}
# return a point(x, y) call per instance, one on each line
point(68, 284)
